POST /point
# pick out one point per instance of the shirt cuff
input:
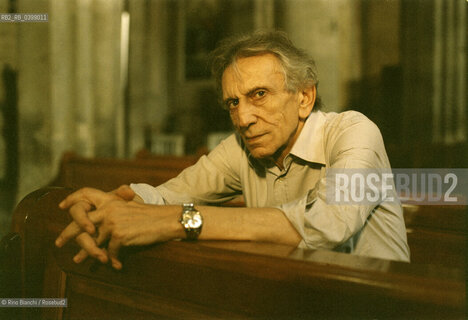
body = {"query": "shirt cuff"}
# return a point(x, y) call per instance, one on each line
point(149, 194)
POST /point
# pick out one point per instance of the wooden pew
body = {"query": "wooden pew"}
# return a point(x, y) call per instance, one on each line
point(109, 173)
point(10, 272)
point(223, 280)
point(436, 234)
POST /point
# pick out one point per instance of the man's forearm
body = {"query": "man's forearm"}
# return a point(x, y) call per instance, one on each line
point(256, 224)
point(129, 223)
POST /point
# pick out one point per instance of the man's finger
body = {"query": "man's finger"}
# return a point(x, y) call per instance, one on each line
point(89, 245)
point(124, 192)
point(83, 254)
point(71, 231)
point(90, 195)
point(113, 251)
point(79, 212)
point(80, 256)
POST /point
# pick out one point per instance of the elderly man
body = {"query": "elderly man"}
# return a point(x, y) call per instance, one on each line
point(277, 160)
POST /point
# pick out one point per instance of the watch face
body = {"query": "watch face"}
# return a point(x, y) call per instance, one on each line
point(192, 220)
point(196, 221)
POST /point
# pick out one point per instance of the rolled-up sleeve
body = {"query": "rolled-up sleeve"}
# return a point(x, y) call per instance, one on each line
point(325, 225)
point(213, 179)
point(149, 194)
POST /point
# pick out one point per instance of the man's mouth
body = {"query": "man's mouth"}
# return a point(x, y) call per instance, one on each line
point(253, 138)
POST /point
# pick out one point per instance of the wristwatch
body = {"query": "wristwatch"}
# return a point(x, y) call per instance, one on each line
point(191, 220)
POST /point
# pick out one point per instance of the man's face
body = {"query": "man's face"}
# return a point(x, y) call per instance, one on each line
point(266, 115)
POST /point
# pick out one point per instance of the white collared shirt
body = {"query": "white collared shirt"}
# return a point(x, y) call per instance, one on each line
point(327, 140)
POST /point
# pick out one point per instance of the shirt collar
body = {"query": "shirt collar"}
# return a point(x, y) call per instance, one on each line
point(309, 144)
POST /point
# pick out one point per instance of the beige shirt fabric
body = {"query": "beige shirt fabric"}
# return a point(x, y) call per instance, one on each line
point(328, 140)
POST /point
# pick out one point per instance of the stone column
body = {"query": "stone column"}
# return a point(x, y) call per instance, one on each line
point(264, 14)
point(148, 70)
point(449, 68)
point(316, 26)
point(8, 57)
point(157, 62)
point(85, 106)
point(62, 78)
point(107, 95)
point(137, 75)
point(34, 105)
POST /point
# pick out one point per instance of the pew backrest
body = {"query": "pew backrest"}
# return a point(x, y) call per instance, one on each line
point(109, 173)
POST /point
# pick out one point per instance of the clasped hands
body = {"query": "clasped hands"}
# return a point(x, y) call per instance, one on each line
point(103, 222)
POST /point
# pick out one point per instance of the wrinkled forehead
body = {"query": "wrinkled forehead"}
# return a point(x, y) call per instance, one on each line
point(247, 70)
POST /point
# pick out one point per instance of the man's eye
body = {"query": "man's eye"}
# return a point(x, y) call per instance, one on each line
point(231, 104)
point(260, 93)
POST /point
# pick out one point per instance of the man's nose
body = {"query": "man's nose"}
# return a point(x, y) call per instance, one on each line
point(246, 114)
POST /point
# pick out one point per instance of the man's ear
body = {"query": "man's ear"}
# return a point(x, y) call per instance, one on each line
point(307, 101)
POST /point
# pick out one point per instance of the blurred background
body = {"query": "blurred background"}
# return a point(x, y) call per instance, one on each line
point(108, 78)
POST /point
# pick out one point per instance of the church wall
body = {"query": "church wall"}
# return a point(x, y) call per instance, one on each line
point(72, 94)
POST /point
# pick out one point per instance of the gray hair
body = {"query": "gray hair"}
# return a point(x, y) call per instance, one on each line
point(299, 69)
